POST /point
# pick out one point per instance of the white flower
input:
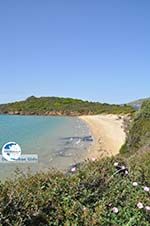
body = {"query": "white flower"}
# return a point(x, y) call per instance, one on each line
point(93, 159)
point(73, 169)
point(135, 184)
point(123, 167)
point(140, 205)
point(126, 172)
point(147, 208)
point(116, 164)
point(147, 189)
point(115, 210)
point(84, 208)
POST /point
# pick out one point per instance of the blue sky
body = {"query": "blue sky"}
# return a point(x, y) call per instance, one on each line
point(91, 49)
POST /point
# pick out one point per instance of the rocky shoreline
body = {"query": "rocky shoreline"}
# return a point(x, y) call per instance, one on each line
point(48, 113)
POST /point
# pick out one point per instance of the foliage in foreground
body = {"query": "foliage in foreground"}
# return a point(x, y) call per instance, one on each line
point(84, 198)
point(62, 106)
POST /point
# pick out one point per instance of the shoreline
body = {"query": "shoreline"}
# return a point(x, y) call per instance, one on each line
point(102, 128)
point(108, 133)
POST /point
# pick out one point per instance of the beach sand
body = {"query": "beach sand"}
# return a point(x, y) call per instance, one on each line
point(108, 133)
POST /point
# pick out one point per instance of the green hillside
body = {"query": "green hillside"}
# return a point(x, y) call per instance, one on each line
point(109, 192)
point(61, 106)
point(139, 134)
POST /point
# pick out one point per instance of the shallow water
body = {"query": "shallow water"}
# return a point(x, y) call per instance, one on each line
point(58, 141)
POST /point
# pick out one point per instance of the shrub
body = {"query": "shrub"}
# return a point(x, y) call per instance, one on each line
point(84, 198)
point(139, 133)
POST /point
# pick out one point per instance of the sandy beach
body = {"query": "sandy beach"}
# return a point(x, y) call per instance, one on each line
point(108, 133)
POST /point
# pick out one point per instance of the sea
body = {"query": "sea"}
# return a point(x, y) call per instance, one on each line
point(59, 142)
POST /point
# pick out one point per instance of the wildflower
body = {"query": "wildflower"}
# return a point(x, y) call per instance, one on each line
point(115, 210)
point(147, 189)
point(116, 164)
point(84, 209)
point(123, 167)
point(110, 204)
point(147, 208)
point(140, 205)
point(126, 172)
point(73, 169)
point(93, 159)
point(135, 184)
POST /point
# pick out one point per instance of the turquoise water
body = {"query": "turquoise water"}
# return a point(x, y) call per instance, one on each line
point(58, 141)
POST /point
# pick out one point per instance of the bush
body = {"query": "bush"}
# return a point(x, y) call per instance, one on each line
point(139, 133)
point(84, 198)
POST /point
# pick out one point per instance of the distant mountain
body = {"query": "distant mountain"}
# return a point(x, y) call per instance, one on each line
point(62, 106)
point(138, 103)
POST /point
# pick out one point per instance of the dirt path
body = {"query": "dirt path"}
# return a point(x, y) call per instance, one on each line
point(108, 133)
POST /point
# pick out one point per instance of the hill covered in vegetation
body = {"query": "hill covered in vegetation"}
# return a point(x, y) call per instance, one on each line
point(139, 132)
point(61, 106)
point(108, 192)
